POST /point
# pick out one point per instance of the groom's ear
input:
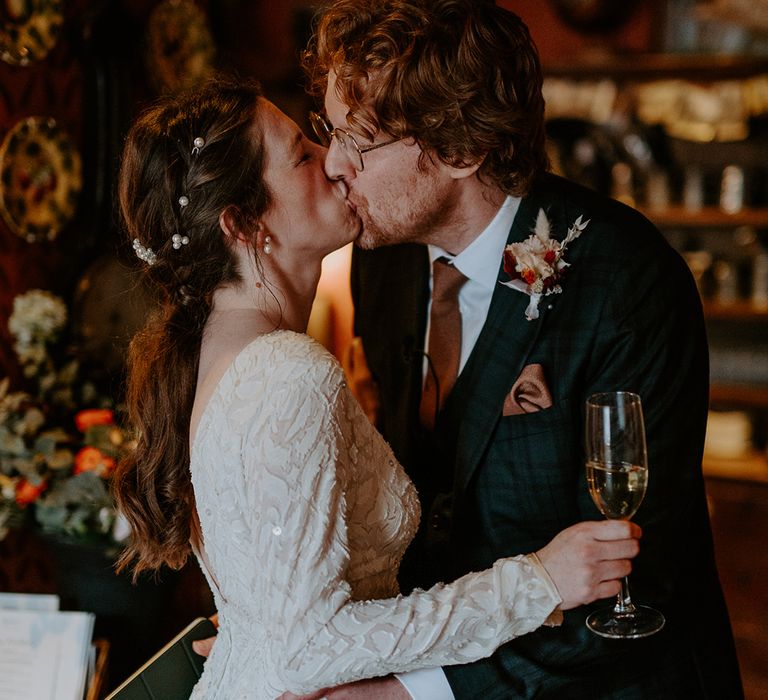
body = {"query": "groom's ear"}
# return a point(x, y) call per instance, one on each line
point(465, 171)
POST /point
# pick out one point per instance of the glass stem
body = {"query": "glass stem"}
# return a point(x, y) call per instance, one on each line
point(623, 600)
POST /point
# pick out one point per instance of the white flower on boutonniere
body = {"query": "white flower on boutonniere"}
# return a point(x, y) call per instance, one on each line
point(535, 266)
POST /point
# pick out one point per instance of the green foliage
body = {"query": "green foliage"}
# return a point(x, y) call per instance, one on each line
point(59, 440)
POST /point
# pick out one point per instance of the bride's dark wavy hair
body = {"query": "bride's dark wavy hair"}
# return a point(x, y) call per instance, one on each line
point(462, 77)
point(160, 164)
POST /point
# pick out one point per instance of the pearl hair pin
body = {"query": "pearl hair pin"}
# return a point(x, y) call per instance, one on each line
point(178, 240)
point(145, 254)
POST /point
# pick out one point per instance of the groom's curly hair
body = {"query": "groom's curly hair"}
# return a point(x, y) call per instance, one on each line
point(462, 77)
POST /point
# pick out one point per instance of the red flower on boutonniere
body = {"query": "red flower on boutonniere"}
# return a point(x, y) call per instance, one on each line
point(536, 266)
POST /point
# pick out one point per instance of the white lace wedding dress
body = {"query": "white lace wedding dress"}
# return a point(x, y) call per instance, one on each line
point(305, 515)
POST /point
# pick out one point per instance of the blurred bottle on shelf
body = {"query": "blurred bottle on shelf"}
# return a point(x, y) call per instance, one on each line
point(693, 188)
point(760, 280)
point(699, 262)
point(732, 189)
point(622, 186)
point(657, 197)
point(727, 282)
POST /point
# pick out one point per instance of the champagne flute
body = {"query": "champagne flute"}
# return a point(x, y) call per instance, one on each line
point(617, 475)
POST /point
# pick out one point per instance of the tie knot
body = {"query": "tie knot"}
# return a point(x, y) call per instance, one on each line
point(447, 280)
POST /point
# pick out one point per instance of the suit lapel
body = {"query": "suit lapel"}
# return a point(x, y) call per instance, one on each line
point(501, 351)
point(409, 320)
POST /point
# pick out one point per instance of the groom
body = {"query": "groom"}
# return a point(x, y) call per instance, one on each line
point(435, 117)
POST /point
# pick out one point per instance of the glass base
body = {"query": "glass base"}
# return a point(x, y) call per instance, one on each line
point(643, 622)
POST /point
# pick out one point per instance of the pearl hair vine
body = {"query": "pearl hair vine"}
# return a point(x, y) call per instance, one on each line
point(145, 254)
point(177, 240)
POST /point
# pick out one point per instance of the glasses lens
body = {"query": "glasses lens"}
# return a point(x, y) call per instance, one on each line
point(349, 148)
point(321, 128)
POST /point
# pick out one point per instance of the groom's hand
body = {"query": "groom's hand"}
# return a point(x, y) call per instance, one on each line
point(388, 688)
point(587, 561)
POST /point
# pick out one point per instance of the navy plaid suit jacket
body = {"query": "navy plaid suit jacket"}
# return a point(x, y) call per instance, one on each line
point(629, 318)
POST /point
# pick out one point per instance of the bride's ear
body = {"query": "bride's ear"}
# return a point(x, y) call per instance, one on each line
point(229, 227)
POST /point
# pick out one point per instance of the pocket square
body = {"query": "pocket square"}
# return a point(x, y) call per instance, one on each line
point(529, 393)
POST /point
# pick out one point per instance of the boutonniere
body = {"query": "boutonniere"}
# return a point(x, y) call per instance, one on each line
point(536, 266)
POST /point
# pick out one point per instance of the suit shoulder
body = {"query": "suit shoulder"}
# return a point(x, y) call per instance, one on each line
point(613, 226)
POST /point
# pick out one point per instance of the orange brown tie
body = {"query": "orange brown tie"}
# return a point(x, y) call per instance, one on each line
point(444, 349)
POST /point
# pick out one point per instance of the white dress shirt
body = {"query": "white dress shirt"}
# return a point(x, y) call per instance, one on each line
point(479, 263)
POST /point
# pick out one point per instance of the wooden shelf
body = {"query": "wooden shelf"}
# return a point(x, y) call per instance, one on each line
point(736, 311)
point(708, 217)
point(739, 395)
point(644, 67)
point(749, 467)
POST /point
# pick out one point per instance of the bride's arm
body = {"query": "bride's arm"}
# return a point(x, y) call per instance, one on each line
point(319, 635)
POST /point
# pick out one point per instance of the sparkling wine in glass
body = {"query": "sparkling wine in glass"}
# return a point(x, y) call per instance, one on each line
point(617, 475)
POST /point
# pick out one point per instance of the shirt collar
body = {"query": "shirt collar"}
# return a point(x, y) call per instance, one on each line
point(486, 250)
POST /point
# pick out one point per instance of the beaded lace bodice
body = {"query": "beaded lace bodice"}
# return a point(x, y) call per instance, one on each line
point(305, 515)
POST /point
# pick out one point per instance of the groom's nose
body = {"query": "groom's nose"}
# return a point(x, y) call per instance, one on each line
point(337, 164)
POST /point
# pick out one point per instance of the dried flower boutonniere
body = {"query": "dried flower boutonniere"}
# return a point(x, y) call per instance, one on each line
point(535, 266)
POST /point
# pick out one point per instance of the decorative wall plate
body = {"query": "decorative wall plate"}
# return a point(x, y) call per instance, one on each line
point(40, 179)
point(180, 46)
point(29, 29)
point(110, 304)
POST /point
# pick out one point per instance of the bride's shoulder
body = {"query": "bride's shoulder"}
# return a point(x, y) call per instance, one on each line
point(288, 353)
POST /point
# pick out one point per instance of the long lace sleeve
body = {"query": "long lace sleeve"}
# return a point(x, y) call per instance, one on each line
point(298, 463)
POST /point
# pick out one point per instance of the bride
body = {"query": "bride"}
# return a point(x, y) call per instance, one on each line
point(254, 454)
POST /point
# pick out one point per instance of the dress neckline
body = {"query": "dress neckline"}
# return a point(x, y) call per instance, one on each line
point(224, 375)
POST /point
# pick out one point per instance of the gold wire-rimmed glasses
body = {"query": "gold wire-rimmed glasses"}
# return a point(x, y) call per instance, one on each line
point(348, 144)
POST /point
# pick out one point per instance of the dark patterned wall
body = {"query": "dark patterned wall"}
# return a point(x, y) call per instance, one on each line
point(95, 78)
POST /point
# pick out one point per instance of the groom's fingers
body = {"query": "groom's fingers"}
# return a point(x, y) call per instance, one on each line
point(616, 530)
point(614, 570)
point(608, 589)
point(619, 549)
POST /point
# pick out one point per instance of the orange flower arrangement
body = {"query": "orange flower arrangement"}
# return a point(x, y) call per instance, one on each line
point(92, 459)
point(60, 441)
point(94, 416)
point(27, 492)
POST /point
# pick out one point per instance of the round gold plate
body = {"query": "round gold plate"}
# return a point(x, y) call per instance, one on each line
point(180, 46)
point(40, 179)
point(29, 29)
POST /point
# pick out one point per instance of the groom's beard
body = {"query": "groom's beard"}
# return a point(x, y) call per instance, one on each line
point(419, 225)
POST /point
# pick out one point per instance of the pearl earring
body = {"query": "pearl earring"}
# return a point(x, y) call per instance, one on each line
point(267, 245)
